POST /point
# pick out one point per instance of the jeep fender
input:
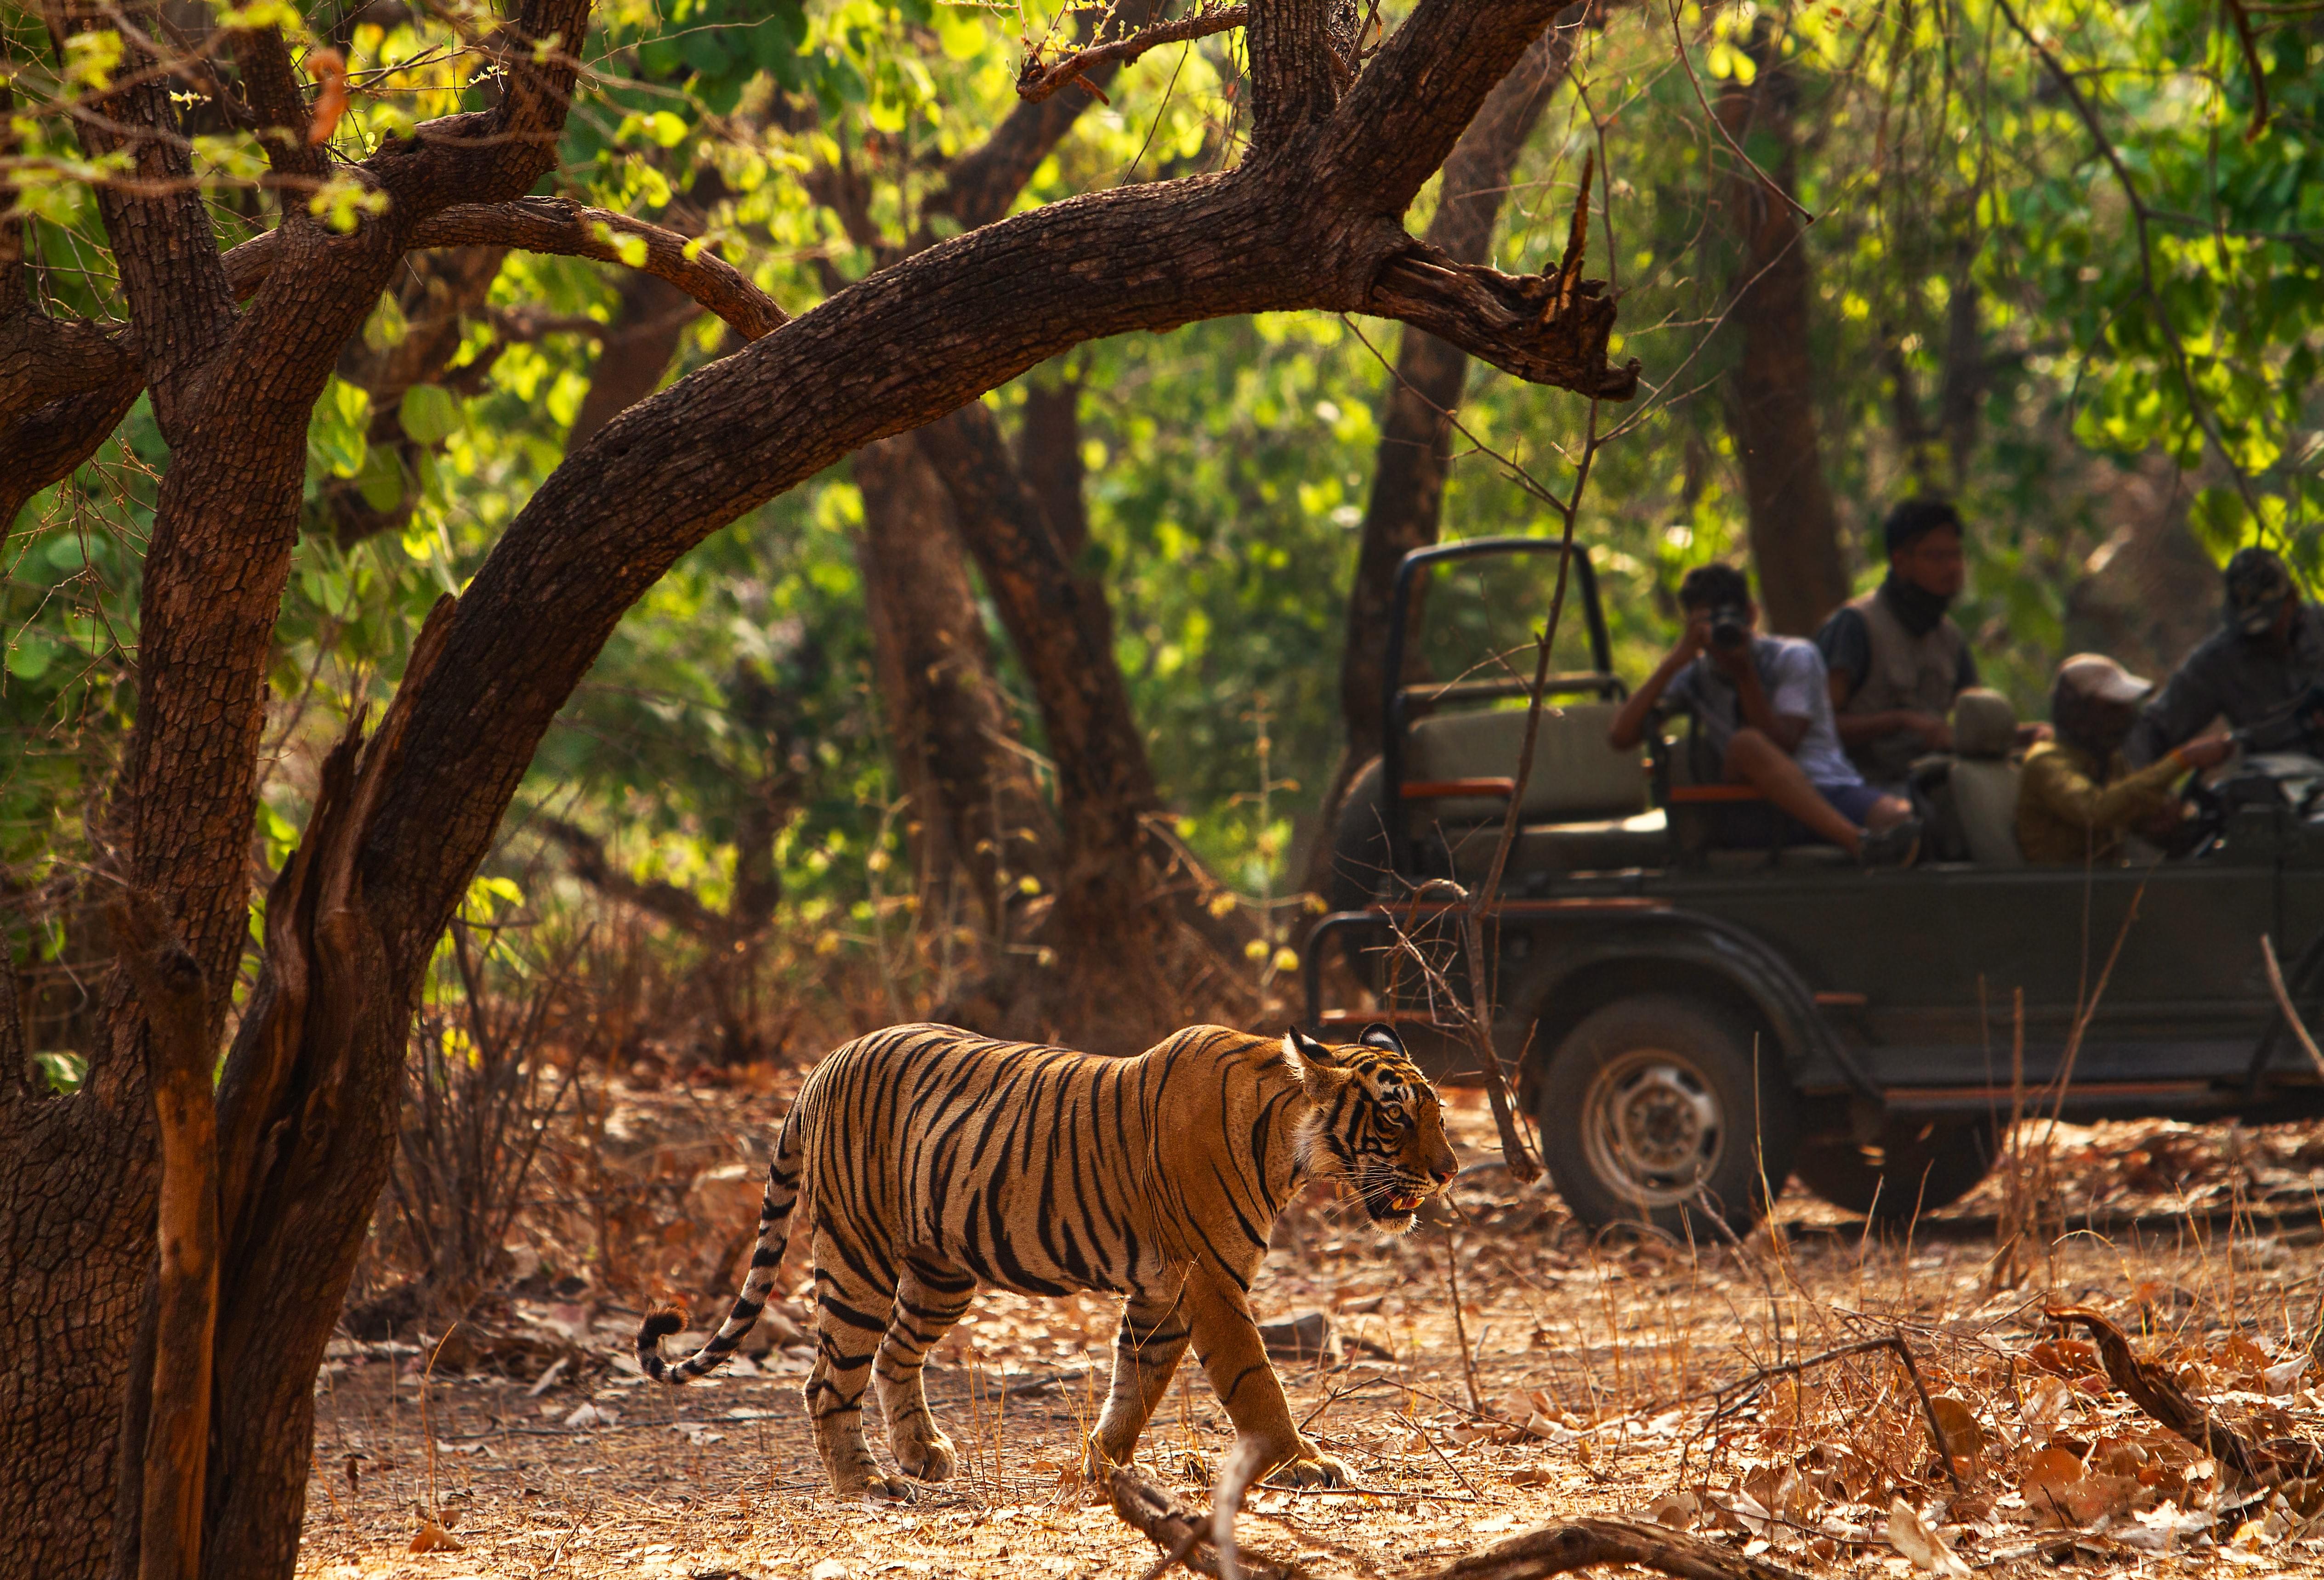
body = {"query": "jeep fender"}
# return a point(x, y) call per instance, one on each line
point(1574, 967)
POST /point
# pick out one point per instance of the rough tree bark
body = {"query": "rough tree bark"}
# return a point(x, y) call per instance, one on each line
point(1406, 508)
point(306, 1104)
point(1771, 399)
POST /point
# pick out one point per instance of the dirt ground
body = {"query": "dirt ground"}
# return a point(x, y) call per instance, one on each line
point(1570, 1377)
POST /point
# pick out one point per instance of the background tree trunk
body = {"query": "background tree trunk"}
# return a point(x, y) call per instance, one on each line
point(634, 352)
point(1406, 509)
point(1109, 993)
point(977, 808)
point(1770, 404)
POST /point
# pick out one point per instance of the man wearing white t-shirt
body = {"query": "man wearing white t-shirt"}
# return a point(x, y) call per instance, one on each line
point(1764, 707)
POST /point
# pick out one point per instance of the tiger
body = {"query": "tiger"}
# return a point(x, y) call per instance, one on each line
point(933, 1161)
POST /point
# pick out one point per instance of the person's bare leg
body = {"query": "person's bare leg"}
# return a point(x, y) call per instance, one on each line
point(1887, 813)
point(1768, 768)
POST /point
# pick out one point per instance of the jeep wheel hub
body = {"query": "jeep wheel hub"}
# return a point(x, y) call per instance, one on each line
point(1651, 1127)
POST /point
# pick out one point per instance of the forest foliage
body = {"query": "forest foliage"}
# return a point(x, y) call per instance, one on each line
point(2056, 247)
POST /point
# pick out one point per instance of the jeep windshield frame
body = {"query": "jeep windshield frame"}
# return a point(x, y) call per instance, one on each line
point(1398, 699)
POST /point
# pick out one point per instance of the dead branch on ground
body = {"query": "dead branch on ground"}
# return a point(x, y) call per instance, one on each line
point(1182, 1535)
point(2154, 1392)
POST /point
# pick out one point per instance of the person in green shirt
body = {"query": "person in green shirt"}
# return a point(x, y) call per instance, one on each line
point(2079, 796)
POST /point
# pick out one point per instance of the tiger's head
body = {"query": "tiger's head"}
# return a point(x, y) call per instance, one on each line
point(1373, 1122)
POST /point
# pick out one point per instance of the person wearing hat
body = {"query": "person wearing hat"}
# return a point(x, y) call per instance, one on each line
point(2254, 672)
point(2078, 795)
point(1894, 658)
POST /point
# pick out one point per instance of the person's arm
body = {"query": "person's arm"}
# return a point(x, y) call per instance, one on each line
point(1629, 726)
point(1756, 709)
point(2186, 702)
point(2066, 791)
point(1846, 644)
point(1857, 728)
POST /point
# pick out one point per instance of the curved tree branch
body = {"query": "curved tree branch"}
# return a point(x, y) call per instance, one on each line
point(1036, 82)
point(561, 226)
point(891, 352)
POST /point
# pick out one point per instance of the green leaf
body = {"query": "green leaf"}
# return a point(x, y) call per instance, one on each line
point(30, 656)
point(381, 481)
point(63, 1072)
point(429, 413)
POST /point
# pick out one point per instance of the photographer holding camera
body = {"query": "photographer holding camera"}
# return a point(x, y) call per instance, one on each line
point(1764, 707)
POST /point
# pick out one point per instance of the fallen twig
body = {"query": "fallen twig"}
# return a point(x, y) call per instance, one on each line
point(2154, 1392)
point(1743, 1387)
point(1447, 1458)
point(1550, 1549)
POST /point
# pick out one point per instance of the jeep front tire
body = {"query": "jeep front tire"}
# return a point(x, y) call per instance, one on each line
point(1655, 1110)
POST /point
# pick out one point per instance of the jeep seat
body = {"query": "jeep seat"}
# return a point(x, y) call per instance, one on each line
point(1984, 776)
point(1587, 806)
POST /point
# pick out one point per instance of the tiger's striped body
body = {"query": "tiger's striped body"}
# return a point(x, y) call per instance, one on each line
point(932, 1159)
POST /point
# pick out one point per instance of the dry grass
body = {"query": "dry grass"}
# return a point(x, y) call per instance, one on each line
point(1596, 1365)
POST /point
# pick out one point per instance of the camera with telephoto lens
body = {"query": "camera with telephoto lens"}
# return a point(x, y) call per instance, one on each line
point(1730, 626)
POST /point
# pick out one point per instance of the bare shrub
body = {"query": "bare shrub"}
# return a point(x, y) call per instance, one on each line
point(491, 1064)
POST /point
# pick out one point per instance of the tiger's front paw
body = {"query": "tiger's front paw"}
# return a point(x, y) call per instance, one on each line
point(1313, 1468)
point(890, 1489)
point(931, 1459)
point(868, 1483)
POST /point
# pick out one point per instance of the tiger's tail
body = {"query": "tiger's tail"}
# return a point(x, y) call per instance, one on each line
point(766, 1258)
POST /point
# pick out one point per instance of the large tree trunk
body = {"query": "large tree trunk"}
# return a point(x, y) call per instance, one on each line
point(1406, 509)
point(231, 394)
point(1771, 400)
point(977, 811)
point(307, 1104)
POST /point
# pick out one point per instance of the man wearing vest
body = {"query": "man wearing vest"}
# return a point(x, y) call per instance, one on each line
point(1894, 659)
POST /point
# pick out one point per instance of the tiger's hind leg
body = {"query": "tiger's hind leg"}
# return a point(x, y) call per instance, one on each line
point(851, 1313)
point(1146, 1349)
point(929, 1300)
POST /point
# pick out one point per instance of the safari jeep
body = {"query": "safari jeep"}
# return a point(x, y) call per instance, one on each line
point(1691, 1026)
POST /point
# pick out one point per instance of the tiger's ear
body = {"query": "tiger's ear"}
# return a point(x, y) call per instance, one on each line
point(1381, 1035)
point(1317, 1066)
point(1302, 1049)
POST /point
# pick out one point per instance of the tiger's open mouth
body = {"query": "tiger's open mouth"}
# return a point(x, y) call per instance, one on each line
point(1408, 1202)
